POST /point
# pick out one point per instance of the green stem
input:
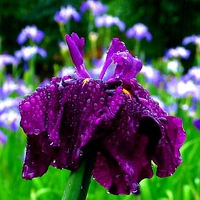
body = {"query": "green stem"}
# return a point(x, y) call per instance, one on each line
point(137, 48)
point(78, 182)
point(74, 184)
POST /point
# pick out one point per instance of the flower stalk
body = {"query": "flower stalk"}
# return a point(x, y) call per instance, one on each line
point(79, 180)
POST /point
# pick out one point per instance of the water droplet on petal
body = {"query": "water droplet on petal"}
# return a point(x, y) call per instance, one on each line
point(163, 119)
point(52, 87)
point(27, 105)
point(88, 101)
point(117, 176)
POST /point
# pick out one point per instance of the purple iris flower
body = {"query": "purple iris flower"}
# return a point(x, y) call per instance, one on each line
point(152, 75)
point(65, 14)
point(193, 74)
point(3, 137)
point(195, 39)
point(66, 71)
point(11, 86)
point(10, 119)
point(96, 7)
point(180, 52)
point(197, 124)
point(183, 88)
point(139, 31)
point(108, 21)
point(6, 59)
point(30, 32)
point(27, 53)
point(9, 109)
point(115, 117)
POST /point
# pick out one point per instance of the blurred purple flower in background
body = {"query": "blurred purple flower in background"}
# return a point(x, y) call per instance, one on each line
point(183, 88)
point(139, 31)
point(98, 65)
point(96, 7)
point(3, 138)
point(173, 66)
point(65, 14)
point(26, 53)
point(66, 71)
point(178, 52)
point(11, 86)
point(9, 107)
point(193, 74)
point(197, 124)
point(195, 39)
point(10, 119)
point(63, 46)
point(152, 75)
point(30, 32)
point(115, 118)
point(108, 21)
point(6, 59)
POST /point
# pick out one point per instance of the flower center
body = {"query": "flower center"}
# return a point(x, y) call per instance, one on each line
point(86, 80)
point(127, 93)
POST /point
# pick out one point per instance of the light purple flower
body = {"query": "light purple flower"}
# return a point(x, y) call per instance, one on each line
point(96, 7)
point(183, 88)
point(108, 21)
point(65, 14)
point(66, 71)
point(173, 66)
point(139, 31)
point(10, 86)
point(98, 67)
point(195, 39)
point(117, 119)
point(30, 32)
point(10, 119)
point(193, 74)
point(6, 59)
point(197, 124)
point(178, 52)
point(3, 138)
point(152, 75)
point(9, 107)
point(27, 53)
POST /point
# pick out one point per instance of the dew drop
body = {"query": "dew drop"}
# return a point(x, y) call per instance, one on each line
point(27, 105)
point(88, 101)
point(117, 176)
point(163, 119)
point(98, 86)
point(52, 87)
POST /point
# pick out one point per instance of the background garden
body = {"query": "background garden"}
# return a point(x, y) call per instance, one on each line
point(165, 35)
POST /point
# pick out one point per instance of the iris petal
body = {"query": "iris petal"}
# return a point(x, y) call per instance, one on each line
point(76, 48)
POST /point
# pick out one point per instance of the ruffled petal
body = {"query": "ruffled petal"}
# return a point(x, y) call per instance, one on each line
point(73, 112)
point(167, 155)
point(32, 109)
point(39, 155)
point(139, 135)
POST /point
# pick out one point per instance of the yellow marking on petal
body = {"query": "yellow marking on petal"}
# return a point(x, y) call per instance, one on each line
point(85, 81)
point(127, 93)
